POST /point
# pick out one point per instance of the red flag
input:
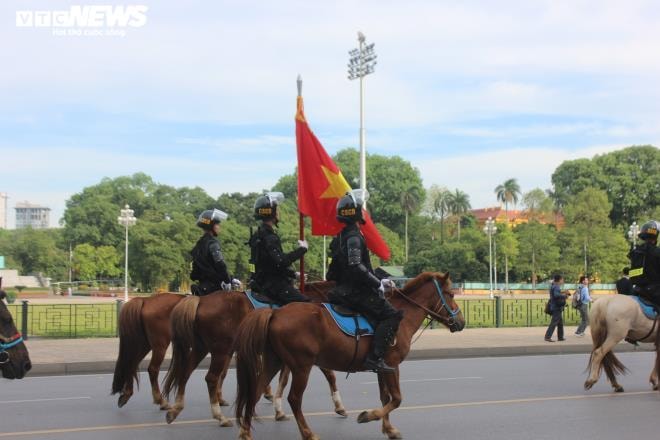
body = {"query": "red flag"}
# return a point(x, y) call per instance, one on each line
point(321, 184)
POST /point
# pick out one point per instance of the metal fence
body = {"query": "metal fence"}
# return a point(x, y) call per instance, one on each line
point(66, 320)
point(100, 320)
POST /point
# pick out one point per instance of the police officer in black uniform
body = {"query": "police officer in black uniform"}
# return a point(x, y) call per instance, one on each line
point(208, 266)
point(645, 264)
point(357, 286)
point(273, 275)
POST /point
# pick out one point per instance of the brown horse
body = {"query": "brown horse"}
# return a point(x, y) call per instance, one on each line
point(301, 335)
point(202, 325)
point(14, 357)
point(144, 325)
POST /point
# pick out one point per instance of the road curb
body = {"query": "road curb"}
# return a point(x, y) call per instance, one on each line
point(105, 367)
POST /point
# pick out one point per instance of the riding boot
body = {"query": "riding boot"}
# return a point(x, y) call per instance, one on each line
point(375, 360)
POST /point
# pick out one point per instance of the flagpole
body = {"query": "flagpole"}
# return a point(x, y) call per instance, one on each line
point(302, 217)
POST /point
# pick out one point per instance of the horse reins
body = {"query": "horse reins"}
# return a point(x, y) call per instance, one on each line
point(6, 344)
point(434, 315)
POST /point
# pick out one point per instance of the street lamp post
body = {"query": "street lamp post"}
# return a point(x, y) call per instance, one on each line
point(633, 230)
point(490, 229)
point(361, 63)
point(126, 219)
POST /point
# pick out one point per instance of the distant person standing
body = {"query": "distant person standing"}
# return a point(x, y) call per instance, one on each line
point(623, 284)
point(583, 308)
point(557, 304)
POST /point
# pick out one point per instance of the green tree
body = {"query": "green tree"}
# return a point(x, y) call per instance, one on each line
point(537, 204)
point(409, 203)
point(458, 204)
point(507, 244)
point(589, 244)
point(438, 206)
point(508, 192)
point(538, 253)
point(35, 251)
point(630, 177)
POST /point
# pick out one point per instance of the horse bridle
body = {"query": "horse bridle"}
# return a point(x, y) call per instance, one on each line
point(6, 344)
point(434, 315)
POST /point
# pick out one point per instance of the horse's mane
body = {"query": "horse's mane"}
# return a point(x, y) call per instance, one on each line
point(420, 279)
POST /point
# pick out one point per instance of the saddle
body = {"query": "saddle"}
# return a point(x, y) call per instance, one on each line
point(650, 310)
point(260, 301)
point(349, 321)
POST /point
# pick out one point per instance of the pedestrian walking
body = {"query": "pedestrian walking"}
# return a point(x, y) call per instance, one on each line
point(557, 304)
point(583, 305)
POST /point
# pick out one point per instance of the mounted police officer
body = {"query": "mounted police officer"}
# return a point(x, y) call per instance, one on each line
point(273, 275)
point(208, 266)
point(357, 285)
point(645, 264)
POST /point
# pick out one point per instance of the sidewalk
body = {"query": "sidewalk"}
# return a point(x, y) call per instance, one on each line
point(98, 355)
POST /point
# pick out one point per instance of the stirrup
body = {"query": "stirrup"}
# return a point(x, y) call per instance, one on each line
point(377, 365)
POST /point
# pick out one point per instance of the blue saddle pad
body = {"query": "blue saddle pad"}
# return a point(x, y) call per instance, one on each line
point(648, 310)
point(259, 304)
point(347, 323)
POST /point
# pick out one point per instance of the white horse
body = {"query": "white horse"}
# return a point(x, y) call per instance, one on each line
point(614, 318)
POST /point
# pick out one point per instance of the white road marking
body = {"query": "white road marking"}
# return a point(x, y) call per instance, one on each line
point(46, 400)
point(441, 379)
point(44, 432)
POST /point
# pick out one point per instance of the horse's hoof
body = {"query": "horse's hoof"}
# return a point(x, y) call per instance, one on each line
point(342, 412)
point(226, 423)
point(223, 402)
point(655, 387)
point(123, 400)
point(170, 416)
point(588, 385)
point(268, 397)
point(363, 417)
point(618, 389)
point(165, 406)
point(394, 434)
point(281, 417)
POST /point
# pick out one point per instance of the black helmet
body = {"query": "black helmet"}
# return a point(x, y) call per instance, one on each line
point(649, 230)
point(210, 217)
point(349, 207)
point(265, 207)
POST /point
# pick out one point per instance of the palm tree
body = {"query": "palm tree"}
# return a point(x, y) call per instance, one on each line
point(409, 203)
point(458, 204)
point(508, 192)
point(440, 208)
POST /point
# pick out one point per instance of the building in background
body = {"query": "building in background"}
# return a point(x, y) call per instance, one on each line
point(516, 217)
point(34, 216)
point(3, 210)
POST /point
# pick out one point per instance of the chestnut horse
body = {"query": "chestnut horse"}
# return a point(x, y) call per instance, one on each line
point(301, 335)
point(14, 357)
point(144, 325)
point(612, 319)
point(202, 325)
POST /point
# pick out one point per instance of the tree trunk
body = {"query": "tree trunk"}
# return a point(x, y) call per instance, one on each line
point(458, 224)
point(406, 236)
point(506, 273)
point(533, 271)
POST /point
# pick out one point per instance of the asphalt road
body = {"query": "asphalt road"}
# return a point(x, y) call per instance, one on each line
point(531, 397)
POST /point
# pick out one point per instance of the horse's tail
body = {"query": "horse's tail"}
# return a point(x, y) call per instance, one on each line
point(598, 322)
point(254, 357)
point(182, 323)
point(132, 344)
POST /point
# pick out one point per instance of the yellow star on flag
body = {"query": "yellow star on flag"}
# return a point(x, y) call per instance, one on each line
point(338, 185)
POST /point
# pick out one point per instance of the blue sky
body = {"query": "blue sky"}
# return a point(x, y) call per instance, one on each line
point(471, 93)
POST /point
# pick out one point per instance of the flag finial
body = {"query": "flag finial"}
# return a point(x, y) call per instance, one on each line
point(299, 82)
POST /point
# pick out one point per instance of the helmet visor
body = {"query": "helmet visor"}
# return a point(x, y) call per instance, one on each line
point(219, 216)
point(275, 198)
point(360, 196)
